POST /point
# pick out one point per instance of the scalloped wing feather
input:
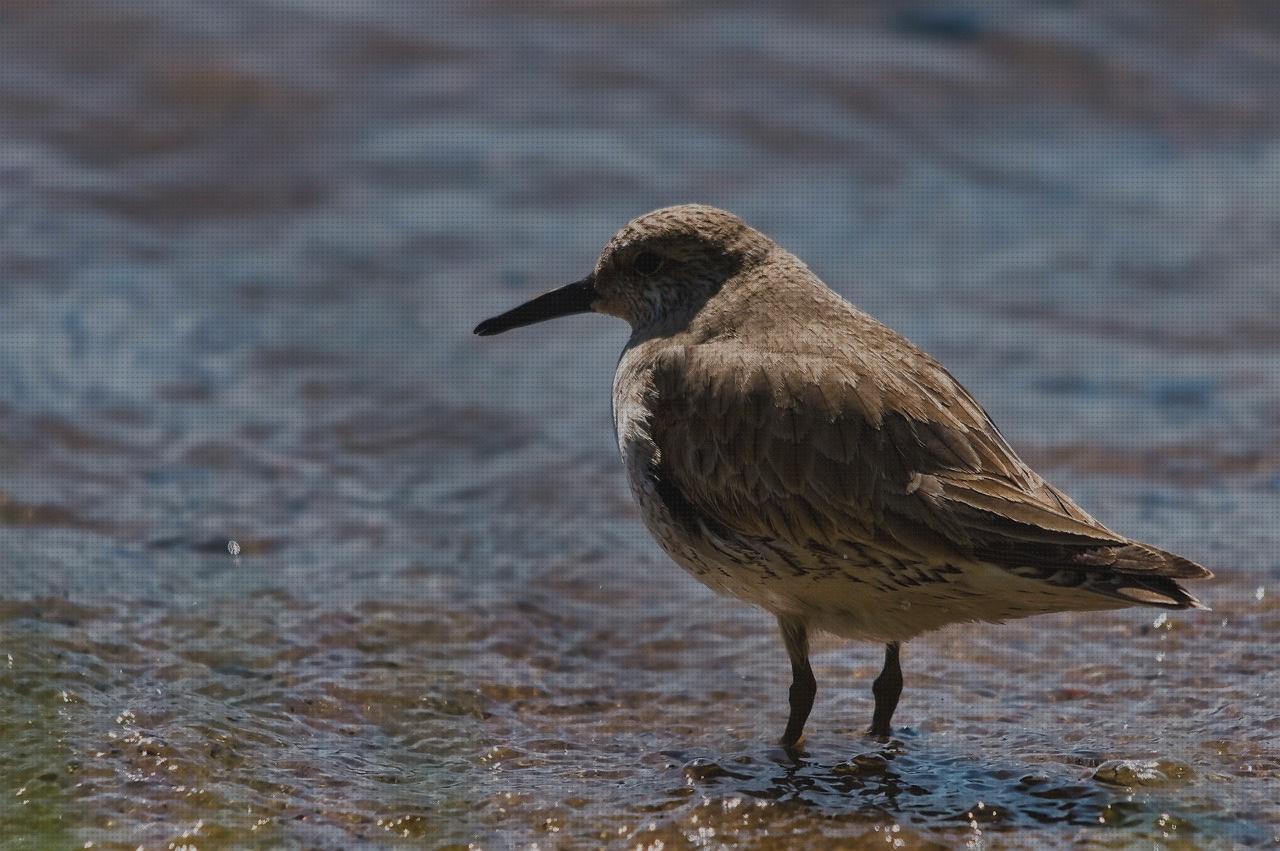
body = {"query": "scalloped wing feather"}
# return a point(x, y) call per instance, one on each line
point(822, 442)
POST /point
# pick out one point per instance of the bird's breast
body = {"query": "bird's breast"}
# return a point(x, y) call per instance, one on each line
point(632, 400)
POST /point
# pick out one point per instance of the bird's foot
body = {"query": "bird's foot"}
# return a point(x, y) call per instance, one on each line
point(881, 732)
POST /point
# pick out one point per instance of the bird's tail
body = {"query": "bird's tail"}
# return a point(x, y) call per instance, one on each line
point(1134, 572)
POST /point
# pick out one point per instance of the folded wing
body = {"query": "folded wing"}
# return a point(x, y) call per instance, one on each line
point(817, 445)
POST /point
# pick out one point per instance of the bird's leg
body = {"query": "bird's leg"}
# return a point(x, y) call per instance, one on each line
point(803, 685)
point(887, 688)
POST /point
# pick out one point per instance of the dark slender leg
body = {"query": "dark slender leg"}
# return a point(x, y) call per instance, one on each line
point(887, 688)
point(803, 685)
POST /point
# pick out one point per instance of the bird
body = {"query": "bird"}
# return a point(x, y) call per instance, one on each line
point(789, 450)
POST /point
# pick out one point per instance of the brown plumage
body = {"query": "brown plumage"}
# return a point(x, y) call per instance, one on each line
point(790, 450)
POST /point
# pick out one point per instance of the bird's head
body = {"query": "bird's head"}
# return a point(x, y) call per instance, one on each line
point(660, 269)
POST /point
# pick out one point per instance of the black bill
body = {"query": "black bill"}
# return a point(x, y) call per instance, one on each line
point(566, 301)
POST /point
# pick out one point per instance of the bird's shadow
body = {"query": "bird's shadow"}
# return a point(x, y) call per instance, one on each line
point(911, 779)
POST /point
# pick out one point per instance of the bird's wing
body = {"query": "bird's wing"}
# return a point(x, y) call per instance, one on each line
point(819, 446)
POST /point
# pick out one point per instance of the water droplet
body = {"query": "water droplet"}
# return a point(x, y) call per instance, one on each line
point(1260, 593)
point(1160, 620)
point(233, 547)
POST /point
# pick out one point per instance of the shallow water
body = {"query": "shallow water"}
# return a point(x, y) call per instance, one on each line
point(243, 247)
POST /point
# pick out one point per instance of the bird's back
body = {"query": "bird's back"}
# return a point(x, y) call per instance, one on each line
point(784, 419)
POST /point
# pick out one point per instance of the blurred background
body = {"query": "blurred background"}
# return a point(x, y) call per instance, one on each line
point(242, 247)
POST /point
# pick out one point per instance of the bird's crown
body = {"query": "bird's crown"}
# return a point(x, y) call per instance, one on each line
point(673, 258)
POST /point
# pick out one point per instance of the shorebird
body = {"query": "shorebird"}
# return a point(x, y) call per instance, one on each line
point(789, 450)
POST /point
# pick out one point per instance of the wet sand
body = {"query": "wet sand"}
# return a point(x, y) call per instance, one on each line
point(242, 250)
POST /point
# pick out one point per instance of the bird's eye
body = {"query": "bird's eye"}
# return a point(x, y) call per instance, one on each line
point(647, 263)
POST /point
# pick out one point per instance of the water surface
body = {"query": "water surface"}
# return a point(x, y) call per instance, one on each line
point(242, 249)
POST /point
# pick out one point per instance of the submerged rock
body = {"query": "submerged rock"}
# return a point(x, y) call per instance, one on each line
point(1142, 772)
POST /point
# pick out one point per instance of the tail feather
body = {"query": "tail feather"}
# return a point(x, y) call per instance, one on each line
point(1141, 560)
point(1135, 573)
point(1164, 593)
